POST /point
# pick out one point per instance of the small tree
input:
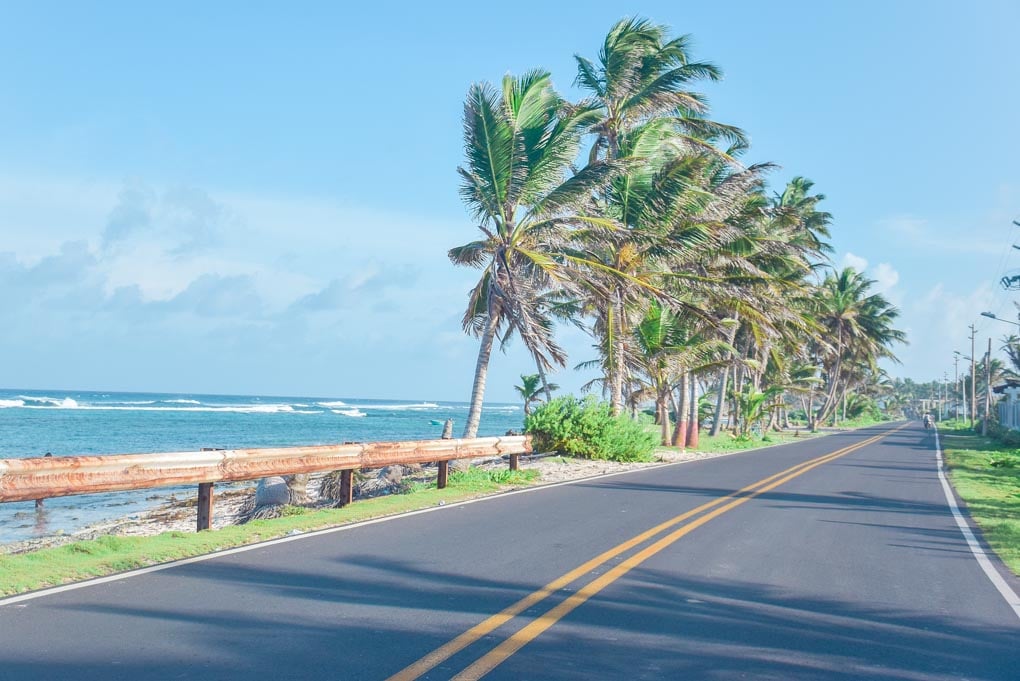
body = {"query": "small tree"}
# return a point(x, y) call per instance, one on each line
point(530, 389)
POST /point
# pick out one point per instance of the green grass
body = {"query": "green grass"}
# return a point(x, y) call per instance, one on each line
point(986, 475)
point(111, 554)
point(725, 442)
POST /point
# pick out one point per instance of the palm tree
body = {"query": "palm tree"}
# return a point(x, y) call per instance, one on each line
point(666, 348)
point(519, 143)
point(640, 76)
point(859, 327)
point(648, 117)
point(530, 389)
point(786, 236)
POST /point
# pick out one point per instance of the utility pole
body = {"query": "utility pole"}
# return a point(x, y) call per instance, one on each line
point(945, 391)
point(988, 388)
point(956, 382)
point(938, 397)
point(973, 376)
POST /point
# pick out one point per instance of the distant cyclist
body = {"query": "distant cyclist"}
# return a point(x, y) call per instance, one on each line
point(928, 422)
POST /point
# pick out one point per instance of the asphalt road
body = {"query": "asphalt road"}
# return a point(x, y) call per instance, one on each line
point(849, 568)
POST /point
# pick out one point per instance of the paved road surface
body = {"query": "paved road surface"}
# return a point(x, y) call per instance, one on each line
point(849, 568)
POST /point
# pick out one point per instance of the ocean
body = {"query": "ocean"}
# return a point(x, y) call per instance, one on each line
point(69, 423)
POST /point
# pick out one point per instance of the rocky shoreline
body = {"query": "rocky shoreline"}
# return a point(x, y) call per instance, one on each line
point(179, 514)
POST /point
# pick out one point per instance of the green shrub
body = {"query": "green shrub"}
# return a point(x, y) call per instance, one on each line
point(1003, 461)
point(586, 428)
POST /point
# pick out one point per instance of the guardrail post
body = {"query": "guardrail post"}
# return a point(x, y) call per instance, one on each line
point(205, 506)
point(444, 474)
point(346, 487)
point(514, 462)
point(444, 466)
point(205, 499)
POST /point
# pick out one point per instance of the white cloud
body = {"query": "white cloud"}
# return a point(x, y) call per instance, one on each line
point(854, 261)
point(886, 278)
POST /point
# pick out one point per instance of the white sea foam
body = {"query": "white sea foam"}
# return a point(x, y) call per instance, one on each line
point(240, 409)
point(7, 404)
point(350, 412)
point(182, 402)
point(41, 400)
point(269, 408)
point(401, 407)
point(335, 403)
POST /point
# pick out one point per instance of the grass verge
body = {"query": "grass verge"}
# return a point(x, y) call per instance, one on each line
point(725, 442)
point(986, 475)
point(24, 572)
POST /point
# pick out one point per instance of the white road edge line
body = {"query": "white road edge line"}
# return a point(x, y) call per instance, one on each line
point(975, 547)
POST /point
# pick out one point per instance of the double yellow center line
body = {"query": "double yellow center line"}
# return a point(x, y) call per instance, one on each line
point(535, 627)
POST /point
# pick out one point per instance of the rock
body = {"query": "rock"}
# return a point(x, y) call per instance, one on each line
point(271, 492)
point(298, 486)
point(391, 474)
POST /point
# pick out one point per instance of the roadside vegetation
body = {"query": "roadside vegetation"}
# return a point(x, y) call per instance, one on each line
point(631, 214)
point(985, 471)
point(588, 429)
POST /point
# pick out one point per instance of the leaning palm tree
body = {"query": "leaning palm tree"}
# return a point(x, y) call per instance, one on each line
point(519, 143)
point(640, 75)
point(860, 329)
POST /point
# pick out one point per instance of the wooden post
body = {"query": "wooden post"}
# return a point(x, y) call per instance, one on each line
point(444, 466)
point(514, 461)
point(205, 506)
point(346, 487)
point(205, 499)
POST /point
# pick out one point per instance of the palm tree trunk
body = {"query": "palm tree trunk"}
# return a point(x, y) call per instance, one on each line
point(545, 381)
point(829, 403)
point(662, 409)
point(692, 421)
point(724, 375)
point(682, 408)
point(481, 372)
point(720, 400)
point(617, 362)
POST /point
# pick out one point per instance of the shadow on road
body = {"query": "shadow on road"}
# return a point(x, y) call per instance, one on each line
point(375, 616)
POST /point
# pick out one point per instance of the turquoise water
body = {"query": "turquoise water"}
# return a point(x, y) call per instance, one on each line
point(68, 423)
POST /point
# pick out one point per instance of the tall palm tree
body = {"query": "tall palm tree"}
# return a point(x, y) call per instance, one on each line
point(860, 329)
point(519, 143)
point(641, 75)
point(650, 117)
point(785, 234)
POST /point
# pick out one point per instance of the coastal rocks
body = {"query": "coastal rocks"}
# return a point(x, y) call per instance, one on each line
point(387, 480)
point(271, 495)
point(297, 484)
point(272, 492)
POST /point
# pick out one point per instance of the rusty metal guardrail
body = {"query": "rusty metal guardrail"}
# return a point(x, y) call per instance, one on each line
point(42, 477)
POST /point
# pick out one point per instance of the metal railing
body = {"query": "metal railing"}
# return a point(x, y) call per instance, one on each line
point(43, 477)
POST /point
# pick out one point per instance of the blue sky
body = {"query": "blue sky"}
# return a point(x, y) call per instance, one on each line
point(252, 198)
